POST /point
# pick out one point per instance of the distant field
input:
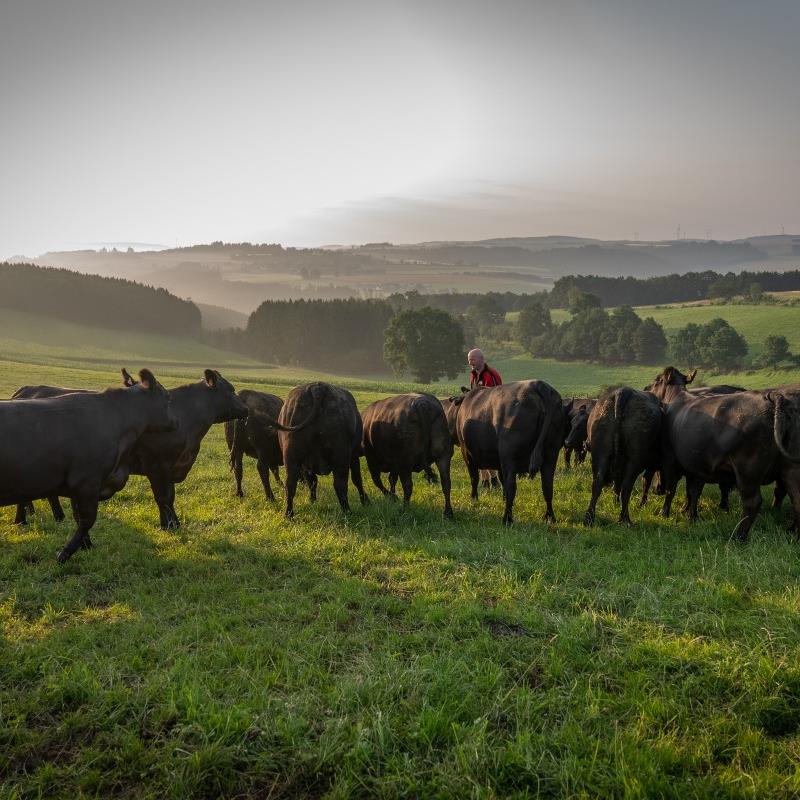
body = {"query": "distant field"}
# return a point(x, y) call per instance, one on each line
point(390, 653)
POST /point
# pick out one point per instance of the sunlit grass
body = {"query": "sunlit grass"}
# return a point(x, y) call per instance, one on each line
point(391, 652)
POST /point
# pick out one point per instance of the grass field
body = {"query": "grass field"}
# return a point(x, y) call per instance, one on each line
point(389, 653)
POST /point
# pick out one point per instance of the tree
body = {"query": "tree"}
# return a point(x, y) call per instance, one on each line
point(755, 292)
point(726, 286)
point(720, 346)
point(683, 345)
point(533, 322)
point(776, 349)
point(649, 342)
point(427, 343)
point(582, 301)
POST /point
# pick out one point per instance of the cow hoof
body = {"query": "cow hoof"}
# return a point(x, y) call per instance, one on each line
point(588, 519)
point(240, 494)
point(551, 518)
point(364, 500)
point(63, 557)
point(508, 522)
point(87, 544)
point(448, 513)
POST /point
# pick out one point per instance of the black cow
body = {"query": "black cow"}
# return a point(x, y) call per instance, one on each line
point(165, 458)
point(77, 445)
point(624, 434)
point(725, 486)
point(751, 438)
point(256, 437)
point(405, 434)
point(514, 428)
point(577, 411)
point(320, 431)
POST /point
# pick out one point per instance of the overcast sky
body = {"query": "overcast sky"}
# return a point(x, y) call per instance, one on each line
point(323, 122)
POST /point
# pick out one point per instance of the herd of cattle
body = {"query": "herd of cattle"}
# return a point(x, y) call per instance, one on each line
point(83, 445)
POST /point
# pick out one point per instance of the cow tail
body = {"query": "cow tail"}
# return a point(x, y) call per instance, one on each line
point(621, 397)
point(536, 456)
point(780, 428)
point(236, 439)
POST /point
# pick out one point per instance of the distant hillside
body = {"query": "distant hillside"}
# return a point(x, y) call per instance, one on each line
point(94, 300)
point(217, 317)
point(242, 275)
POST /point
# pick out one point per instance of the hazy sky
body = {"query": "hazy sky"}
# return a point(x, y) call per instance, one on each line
point(321, 122)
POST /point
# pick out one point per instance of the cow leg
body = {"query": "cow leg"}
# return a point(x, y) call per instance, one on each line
point(393, 484)
point(408, 486)
point(628, 482)
point(21, 517)
point(238, 471)
point(443, 466)
point(377, 479)
point(340, 487)
point(751, 503)
point(778, 494)
point(263, 473)
point(161, 494)
point(792, 484)
point(509, 492)
point(474, 476)
point(292, 476)
point(312, 482)
point(55, 507)
point(694, 488)
point(580, 455)
point(355, 477)
point(84, 509)
point(599, 471)
point(548, 473)
point(567, 457)
point(276, 473)
point(430, 475)
point(647, 480)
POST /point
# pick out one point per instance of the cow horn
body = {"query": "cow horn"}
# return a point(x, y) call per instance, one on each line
point(691, 375)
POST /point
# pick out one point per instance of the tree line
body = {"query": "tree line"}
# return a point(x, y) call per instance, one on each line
point(94, 300)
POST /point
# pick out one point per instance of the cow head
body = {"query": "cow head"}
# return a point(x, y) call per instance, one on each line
point(159, 414)
point(576, 427)
point(226, 403)
point(670, 382)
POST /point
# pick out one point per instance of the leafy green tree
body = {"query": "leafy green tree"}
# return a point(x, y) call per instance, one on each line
point(725, 287)
point(755, 292)
point(427, 343)
point(581, 301)
point(776, 350)
point(683, 345)
point(649, 342)
point(721, 346)
point(533, 322)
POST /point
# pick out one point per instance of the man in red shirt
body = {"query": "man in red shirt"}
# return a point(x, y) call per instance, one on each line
point(481, 374)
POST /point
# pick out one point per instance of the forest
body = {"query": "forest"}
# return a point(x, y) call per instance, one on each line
point(93, 300)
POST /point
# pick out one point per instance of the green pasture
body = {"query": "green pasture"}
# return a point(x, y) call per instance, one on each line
point(389, 653)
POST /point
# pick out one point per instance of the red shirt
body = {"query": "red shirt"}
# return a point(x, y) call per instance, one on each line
point(486, 377)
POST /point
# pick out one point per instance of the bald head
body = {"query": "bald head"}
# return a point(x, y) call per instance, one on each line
point(475, 359)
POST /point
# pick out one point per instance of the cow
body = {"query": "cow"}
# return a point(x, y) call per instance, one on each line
point(319, 432)
point(725, 486)
point(77, 445)
point(257, 438)
point(514, 428)
point(404, 434)
point(166, 458)
point(624, 435)
point(751, 438)
point(577, 411)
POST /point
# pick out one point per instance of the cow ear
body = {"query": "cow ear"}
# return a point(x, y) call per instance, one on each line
point(147, 379)
point(127, 378)
point(211, 378)
point(464, 390)
point(691, 375)
point(457, 401)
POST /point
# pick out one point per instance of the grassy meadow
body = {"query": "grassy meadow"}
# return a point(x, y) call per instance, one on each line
point(389, 653)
